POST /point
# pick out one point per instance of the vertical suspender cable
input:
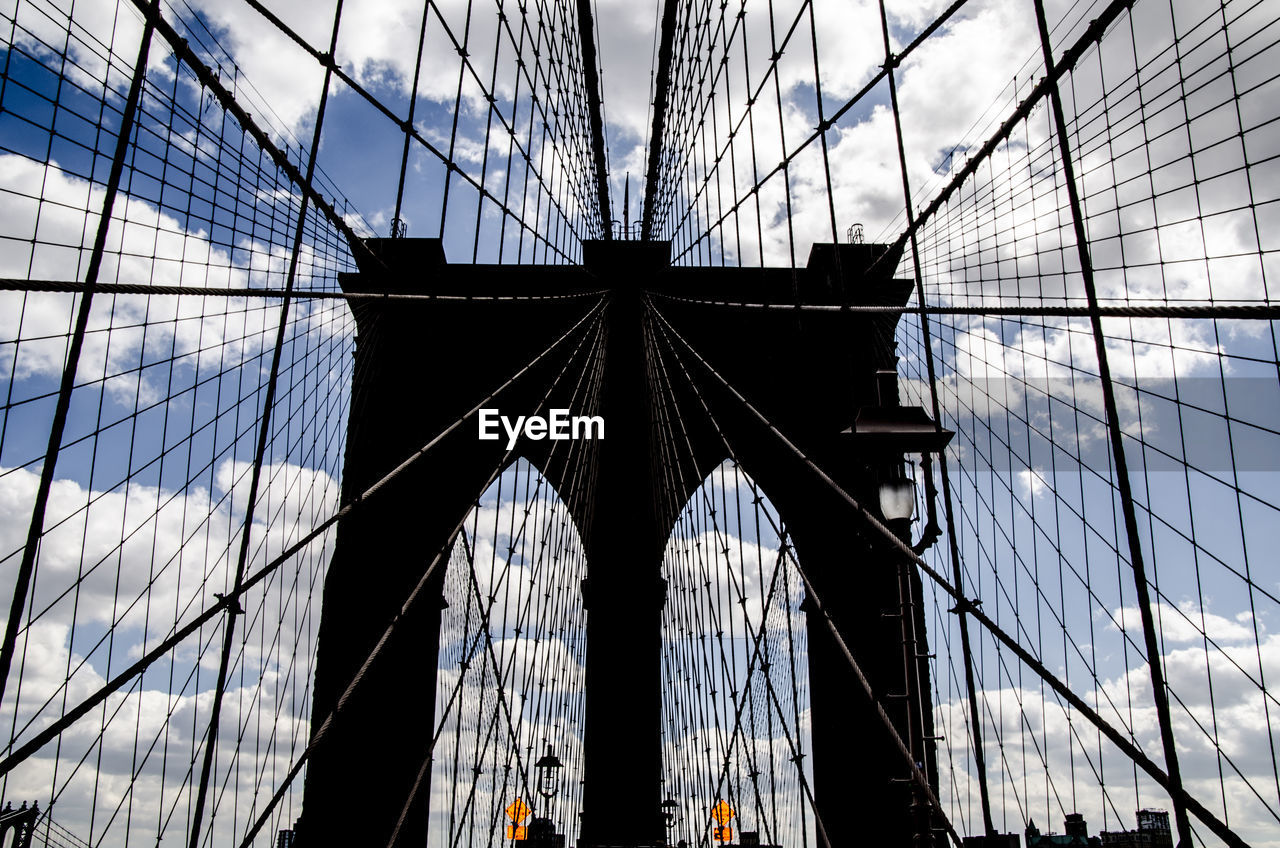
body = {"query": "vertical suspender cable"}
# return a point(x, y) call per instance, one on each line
point(1123, 483)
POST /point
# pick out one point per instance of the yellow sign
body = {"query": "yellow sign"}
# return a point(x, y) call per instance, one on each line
point(722, 813)
point(517, 811)
point(722, 834)
point(517, 833)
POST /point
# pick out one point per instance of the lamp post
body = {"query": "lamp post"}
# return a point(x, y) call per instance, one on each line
point(547, 769)
point(670, 817)
point(542, 830)
point(883, 435)
point(897, 505)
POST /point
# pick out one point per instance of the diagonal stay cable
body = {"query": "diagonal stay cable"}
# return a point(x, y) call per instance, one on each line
point(53, 730)
point(1118, 739)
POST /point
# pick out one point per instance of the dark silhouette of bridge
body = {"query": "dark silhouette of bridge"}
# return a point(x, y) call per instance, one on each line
point(900, 542)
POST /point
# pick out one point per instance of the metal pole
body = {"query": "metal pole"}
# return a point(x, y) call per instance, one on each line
point(1123, 483)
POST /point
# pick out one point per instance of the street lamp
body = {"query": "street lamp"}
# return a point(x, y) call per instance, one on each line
point(897, 495)
point(542, 830)
point(889, 430)
point(670, 816)
point(548, 769)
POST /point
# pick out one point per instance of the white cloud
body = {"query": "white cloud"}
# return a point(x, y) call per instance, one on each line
point(1042, 762)
point(125, 333)
point(117, 572)
point(1187, 623)
point(1030, 483)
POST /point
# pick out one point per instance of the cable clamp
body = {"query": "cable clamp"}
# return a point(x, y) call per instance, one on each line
point(233, 608)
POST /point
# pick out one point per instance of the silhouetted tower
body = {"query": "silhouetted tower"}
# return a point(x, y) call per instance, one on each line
point(381, 554)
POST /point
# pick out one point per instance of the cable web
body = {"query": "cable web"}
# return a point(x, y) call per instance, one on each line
point(177, 353)
point(170, 485)
point(735, 707)
point(1092, 255)
point(1085, 194)
point(1168, 122)
point(512, 647)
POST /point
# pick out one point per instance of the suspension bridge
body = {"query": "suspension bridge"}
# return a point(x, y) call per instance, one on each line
point(900, 467)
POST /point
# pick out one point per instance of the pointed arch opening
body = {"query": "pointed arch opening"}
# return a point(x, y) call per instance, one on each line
point(735, 670)
point(510, 673)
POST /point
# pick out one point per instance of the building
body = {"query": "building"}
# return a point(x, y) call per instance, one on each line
point(1153, 832)
point(1156, 823)
point(1076, 832)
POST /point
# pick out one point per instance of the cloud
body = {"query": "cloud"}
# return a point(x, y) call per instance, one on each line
point(1030, 484)
point(128, 332)
point(1186, 623)
point(120, 570)
point(1044, 762)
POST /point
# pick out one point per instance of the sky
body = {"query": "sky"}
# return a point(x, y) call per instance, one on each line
point(1180, 195)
